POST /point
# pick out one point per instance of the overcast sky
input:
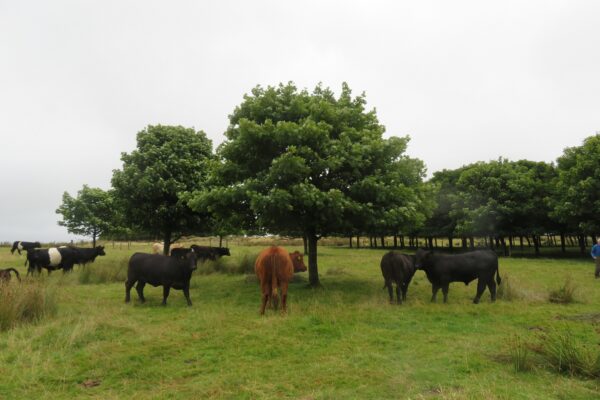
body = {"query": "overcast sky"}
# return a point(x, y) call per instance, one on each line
point(466, 80)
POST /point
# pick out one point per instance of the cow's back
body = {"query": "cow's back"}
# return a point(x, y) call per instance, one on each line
point(274, 262)
point(155, 269)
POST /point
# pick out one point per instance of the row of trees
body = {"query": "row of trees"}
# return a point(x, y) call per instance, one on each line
point(312, 164)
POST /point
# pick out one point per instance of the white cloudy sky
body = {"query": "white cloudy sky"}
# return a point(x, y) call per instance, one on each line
point(467, 80)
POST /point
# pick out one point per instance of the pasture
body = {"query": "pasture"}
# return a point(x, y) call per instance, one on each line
point(340, 341)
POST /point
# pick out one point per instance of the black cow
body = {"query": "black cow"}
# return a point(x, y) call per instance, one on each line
point(5, 274)
point(18, 246)
point(210, 253)
point(180, 252)
point(397, 268)
point(52, 259)
point(441, 269)
point(88, 255)
point(159, 270)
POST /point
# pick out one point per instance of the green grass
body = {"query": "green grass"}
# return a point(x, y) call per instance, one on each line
point(341, 341)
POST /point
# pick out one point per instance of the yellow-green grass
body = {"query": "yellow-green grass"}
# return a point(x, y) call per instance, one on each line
point(341, 341)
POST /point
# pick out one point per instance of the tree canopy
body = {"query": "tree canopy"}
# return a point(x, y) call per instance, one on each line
point(311, 163)
point(168, 162)
point(91, 213)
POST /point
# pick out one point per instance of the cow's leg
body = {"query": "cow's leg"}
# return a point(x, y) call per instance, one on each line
point(480, 288)
point(492, 286)
point(404, 290)
point(399, 293)
point(388, 284)
point(275, 298)
point(140, 290)
point(284, 290)
point(445, 288)
point(265, 289)
point(434, 290)
point(128, 286)
point(166, 290)
point(186, 293)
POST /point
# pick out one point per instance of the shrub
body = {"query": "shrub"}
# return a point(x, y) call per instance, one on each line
point(565, 294)
point(26, 302)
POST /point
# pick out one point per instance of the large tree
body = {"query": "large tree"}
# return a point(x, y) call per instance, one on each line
point(577, 198)
point(311, 163)
point(91, 213)
point(168, 162)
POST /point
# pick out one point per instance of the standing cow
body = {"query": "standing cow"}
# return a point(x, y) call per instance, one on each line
point(441, 269)
point(399, 269)
point(18, 246)
point(159, 270)
point(275, 268)
point(52, 259)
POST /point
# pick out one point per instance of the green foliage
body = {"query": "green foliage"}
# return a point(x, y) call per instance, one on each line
point(312, 164)
point(168, 162)
point(577, 201)
point(91, 213)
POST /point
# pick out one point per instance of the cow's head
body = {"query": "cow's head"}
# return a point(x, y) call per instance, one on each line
point(192, 260)
point(298, 261)
point(422, 259)
point(100, 251)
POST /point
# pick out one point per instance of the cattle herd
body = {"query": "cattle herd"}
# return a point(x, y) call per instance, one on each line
point(274, 268)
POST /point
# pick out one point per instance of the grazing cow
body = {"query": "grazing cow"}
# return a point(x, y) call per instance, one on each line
point(157, 248)
point(441, 269)
point(210, 253)
point(159, 270)
point(399, 269)
point(180, 252)
point(275, 268)
point(5, 274)
point(88, 255)
point(18, 246)
point(52, 259)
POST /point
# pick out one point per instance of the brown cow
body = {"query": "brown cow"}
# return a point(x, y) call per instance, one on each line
point(5, 274)
point(275, 268)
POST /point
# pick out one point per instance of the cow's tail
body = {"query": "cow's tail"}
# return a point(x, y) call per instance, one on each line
point(16, 273)
point(274, 268)
point(498, 279)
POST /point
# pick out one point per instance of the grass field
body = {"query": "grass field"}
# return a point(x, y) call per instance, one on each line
point(341, 341)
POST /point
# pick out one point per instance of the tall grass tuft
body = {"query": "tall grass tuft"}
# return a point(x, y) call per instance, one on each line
point(508, 291)
point(103, 272)
point(230, 266)
point(27, 302)
point(565, 294)
point(519, 354)
point(566, 356)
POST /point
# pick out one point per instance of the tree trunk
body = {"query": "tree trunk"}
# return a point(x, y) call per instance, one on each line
point(382, 242)
point(350, 241)
point(521, 242)
point(305, 242)
point(94, 239)
point(220, 241)
point(536, 243)
point(357, 242)
point(562, 243)
point(313, 270)
point(450, 243)
point(464, 242)
point(430, 242)
point(504, 247)
point(395, 241)
point(582, 244)
point(167, 242)
point(401, 241)
point(472, 242)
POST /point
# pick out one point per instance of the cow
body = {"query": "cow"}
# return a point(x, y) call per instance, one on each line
point(160, 270)
point(210, 253)
point(5, 274)
point(180, 252)
point(52, 259)
point(18, 246)
point(274, 268)
point(441, 269)
point(399, 269)
point(88, 255)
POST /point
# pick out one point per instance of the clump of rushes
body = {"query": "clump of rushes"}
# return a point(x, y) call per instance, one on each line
point(565, 294)
point(26, 302)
